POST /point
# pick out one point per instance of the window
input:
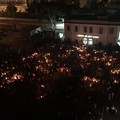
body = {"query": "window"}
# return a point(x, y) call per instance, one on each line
point(85, 41)
point(101, 30)
point(90, 30)
point(111, 30)
point(118, 42)
point(68, 28)
point(90, 42)
point(76, 28)
point(85, 29)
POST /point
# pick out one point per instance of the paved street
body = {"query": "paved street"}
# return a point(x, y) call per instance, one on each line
point(14, 39)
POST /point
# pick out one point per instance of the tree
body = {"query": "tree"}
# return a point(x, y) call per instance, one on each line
point(31, 7)
point(54, 11)
point(11, 8)
point(49, 11)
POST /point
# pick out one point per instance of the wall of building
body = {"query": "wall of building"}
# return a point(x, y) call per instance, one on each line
point(113, 38)
point(20, 8)
point(20, 4)
point(105, 38)
point(2, 8)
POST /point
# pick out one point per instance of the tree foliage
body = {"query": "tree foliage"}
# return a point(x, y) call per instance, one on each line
point(49, 11)
point(11, 8)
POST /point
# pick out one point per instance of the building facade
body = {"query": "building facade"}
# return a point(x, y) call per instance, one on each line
point(20, 4)
point(90, 32)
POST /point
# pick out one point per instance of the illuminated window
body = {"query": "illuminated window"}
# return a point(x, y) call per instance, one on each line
point(85, 41)
point(68, 28)
point(100, 30)
point(76, 28)
point(90, 30)
point(118, 42)
point(111, 30)
point(90, 42)
point(119, 36)
point(85, 29)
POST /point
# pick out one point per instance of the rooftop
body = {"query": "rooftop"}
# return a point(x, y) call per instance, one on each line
point(109, 18)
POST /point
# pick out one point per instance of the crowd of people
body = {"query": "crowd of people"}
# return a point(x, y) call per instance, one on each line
point(74, 82)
